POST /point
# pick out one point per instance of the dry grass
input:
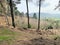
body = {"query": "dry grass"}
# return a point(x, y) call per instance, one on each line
point(30, 36)
point(22, 22)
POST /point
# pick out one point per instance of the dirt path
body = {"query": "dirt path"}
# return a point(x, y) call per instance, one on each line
point(31, 37)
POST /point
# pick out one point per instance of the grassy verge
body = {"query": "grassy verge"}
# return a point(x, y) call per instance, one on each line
point(6, 35)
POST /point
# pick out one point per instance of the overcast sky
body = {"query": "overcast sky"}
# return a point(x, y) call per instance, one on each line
point(47, 6)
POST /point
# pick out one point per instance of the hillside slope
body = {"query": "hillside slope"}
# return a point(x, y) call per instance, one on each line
point(18, 36)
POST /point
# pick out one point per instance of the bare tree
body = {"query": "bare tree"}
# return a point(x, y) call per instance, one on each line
point(57, 6)
point(27, 13)
point(39, 14)
point(11, 2)
point(12, 15)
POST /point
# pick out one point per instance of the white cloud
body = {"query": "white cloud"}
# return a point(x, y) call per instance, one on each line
point(48, 6)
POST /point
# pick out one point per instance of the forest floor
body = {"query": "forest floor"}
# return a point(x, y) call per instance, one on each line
point(19, 36)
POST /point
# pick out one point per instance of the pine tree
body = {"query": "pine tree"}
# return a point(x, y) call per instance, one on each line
point(11, 8)
point(35, 16)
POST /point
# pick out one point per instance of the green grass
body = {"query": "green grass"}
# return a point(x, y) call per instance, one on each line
point(7, 35)
point(6, 31)
point(5, 38)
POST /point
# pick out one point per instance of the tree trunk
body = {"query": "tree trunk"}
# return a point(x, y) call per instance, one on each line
point(12, 15)
point(27, 13)
point(39, 15)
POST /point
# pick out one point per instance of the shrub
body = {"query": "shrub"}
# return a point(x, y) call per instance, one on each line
point(50, 27)
point(29, 25)
point(57, 37)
